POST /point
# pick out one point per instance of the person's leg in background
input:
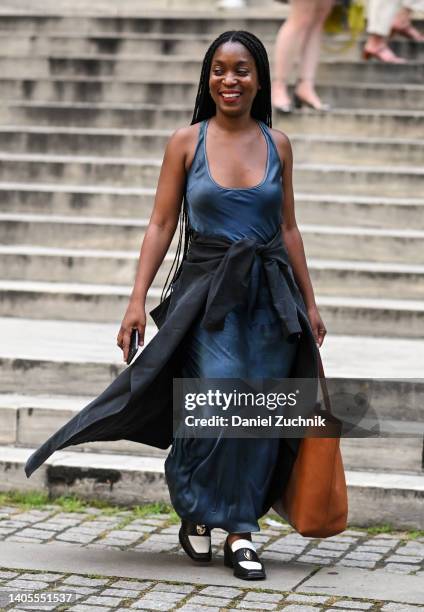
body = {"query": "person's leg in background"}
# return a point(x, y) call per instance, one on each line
point(402, 21)
point(288, 43)
point(309, 58)
point(380, 16)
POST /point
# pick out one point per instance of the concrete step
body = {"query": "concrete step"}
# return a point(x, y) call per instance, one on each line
point(368, 122)
point(138, 142)
point(370, 72)
point(102, 8)
point(397, 495)
point(205, 22)
point(107, 303)
point(62, 357)
point(125, 7)
point(388, 455)
point(384, 180)
point(76, 231)
point(158, 90)
point(364, 211)
point(344, 278)
point(111, 43)
point(82, 358)
point(80, 169)
point(373, 316)
point(166, 43)
point(381, 180)
point(181, 20)
point(379, 245)
point(331, 242)
point(337, 278)
point(98, 201)
point(185, 66)
point(380, 123)
point(28, 420)
point(68, 301)
point(389, 494)
point(107, 267)
point(62, 199)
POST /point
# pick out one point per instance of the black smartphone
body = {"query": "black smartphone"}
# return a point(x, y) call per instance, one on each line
point(133, 345)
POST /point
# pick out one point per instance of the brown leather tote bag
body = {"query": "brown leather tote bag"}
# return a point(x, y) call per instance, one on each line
point(314, 501)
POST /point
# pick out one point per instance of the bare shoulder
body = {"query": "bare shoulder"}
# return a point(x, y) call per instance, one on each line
point(179, 138)
point(182, 143)
point(283, 144)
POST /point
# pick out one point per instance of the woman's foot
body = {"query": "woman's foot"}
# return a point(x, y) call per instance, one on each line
point(382, 53)
point(196, 540)
point(376, 46)
point(281, 100)
point(305, 94)
point(240, 554)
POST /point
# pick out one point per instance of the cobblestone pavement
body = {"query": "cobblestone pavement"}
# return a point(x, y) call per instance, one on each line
point(92, 528)
point(111, 594)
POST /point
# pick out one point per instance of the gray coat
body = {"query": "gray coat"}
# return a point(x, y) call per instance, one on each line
point(212, 279)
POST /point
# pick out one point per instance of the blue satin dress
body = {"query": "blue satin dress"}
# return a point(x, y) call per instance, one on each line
point(222, 482)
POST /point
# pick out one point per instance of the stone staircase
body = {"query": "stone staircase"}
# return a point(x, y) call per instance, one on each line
point(86, 106)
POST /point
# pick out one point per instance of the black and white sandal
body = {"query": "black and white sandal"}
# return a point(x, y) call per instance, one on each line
point(242, 556)
point(195, 540)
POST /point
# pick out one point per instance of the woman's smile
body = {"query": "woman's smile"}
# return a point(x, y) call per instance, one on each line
point(230, 95)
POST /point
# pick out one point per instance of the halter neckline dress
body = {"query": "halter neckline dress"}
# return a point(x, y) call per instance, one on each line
point(223, 482)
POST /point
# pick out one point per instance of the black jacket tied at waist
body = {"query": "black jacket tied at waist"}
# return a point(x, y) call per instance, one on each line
point(230, 264)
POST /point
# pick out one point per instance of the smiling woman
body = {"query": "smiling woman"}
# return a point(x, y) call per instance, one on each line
point(238, 186)
point(236, 307)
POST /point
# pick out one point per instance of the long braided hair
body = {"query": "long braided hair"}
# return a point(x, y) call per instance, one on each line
point(205, 107)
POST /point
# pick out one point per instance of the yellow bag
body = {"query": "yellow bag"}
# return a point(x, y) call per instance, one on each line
point(343, 18)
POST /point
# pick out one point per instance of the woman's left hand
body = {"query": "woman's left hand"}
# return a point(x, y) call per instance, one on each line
point(317, 325)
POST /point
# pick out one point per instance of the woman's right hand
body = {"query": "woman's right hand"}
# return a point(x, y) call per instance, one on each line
point(135, 316)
